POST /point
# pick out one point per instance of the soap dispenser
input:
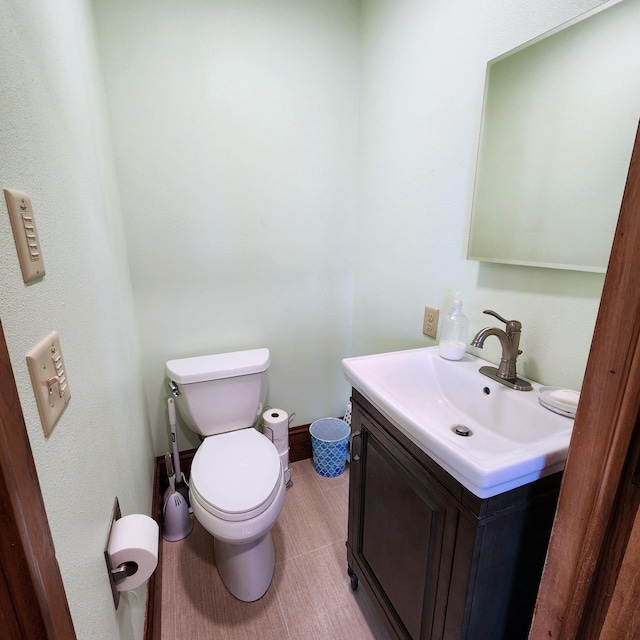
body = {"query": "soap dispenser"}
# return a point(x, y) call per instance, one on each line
point(453, 339)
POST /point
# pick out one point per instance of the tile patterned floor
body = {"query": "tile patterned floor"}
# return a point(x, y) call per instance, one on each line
point(310, 596)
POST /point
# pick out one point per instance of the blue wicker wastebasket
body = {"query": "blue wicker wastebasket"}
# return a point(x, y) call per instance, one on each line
point(330, 443)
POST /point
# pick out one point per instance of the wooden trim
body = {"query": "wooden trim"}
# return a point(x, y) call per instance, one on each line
point(299, 443)
point(620, 540)
point(33, 588)
point(621, 618)
point(154, 586)
point(607, 414)
point(152, 619)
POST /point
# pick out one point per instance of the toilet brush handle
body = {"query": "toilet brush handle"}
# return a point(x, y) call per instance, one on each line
point(170, 474)
point(174, 437)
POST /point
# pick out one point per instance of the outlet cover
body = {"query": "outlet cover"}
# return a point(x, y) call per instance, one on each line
point(430, 324)
point(49, 380)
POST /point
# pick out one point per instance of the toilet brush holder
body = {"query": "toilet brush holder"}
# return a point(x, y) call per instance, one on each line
point(182, 487)
point(177, 523)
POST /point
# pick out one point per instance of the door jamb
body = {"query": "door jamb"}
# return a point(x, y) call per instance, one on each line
point(27, 555)
point(602, 434)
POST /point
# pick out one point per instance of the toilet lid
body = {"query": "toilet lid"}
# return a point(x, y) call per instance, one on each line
point(235, 475)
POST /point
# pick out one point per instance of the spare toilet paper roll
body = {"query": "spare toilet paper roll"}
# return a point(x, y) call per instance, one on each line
point(284, 460)
point(134, 539)
point(277, 421)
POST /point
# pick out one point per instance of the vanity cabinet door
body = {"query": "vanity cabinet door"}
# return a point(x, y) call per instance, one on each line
point(401, 532)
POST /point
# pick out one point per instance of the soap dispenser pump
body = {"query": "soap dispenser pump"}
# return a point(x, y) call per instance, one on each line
point(454, 332)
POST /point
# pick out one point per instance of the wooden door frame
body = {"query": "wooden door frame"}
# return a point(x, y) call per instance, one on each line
point(602, 437)
point(33, 603)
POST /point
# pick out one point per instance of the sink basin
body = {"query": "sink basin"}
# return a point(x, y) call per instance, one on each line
point(514, 440)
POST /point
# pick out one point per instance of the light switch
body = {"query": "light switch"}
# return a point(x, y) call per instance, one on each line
point(25, 234)
point(49, 380)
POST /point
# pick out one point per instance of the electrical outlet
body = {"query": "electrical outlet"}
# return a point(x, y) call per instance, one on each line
point(430, 325)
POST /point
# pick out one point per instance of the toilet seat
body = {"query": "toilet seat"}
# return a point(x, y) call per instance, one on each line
point(236, 476)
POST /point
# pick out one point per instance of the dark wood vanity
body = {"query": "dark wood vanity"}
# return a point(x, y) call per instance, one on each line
point(437, 561)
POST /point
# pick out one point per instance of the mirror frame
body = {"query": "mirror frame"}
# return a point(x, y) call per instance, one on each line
point(530, 200)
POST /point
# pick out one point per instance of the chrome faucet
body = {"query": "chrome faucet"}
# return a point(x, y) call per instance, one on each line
point(510, 341)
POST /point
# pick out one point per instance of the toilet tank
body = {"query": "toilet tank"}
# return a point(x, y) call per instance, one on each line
point(221, 392)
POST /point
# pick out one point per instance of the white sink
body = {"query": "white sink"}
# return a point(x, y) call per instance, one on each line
point(514, 439)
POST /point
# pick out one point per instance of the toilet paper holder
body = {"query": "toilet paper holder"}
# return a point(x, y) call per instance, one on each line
point(126, 568)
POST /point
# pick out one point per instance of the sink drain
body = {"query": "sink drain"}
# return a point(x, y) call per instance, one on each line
point(461, 430)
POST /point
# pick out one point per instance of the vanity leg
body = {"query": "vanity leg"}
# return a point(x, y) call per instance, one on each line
point(354, 578)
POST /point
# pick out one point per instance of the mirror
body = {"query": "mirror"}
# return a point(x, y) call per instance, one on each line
point(559, 120)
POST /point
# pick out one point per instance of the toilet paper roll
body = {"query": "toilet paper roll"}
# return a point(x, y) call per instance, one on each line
point(284, 460)
point(134, 539)
point(276, 421)
point(281, 443)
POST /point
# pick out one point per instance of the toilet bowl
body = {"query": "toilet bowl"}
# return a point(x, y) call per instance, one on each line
point(237, 491)
point(237, 485)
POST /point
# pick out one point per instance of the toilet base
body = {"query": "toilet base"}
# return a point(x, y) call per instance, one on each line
point(246, 569)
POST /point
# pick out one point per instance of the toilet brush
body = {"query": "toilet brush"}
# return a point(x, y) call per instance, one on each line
point(177, 523)
point(181, 484)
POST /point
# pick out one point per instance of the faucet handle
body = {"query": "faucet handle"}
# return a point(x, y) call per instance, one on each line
point(512, 325)
point(495, 315)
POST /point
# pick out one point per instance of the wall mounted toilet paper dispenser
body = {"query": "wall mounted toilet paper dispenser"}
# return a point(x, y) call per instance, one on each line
point(131, 551)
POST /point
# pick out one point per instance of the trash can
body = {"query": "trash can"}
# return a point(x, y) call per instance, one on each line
point(329, 442)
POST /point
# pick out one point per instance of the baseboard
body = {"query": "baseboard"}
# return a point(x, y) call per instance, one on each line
point(154, 586)
point(299, 449)
point(152, 612)
point(299, 443)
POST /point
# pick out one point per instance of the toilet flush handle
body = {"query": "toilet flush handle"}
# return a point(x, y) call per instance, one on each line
point(173, 387)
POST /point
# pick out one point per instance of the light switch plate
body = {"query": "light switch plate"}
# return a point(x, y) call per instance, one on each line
point(25, 234)
point(49, 380)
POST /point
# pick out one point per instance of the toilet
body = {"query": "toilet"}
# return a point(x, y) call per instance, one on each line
point(236, 486)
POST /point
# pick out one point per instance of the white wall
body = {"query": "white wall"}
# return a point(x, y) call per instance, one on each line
point(422, 87)
point(239, 130)
point(235, 133)
point(54, 144)
point(252, 138)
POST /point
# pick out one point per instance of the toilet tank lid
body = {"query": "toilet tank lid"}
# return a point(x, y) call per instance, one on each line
point(217, 366)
